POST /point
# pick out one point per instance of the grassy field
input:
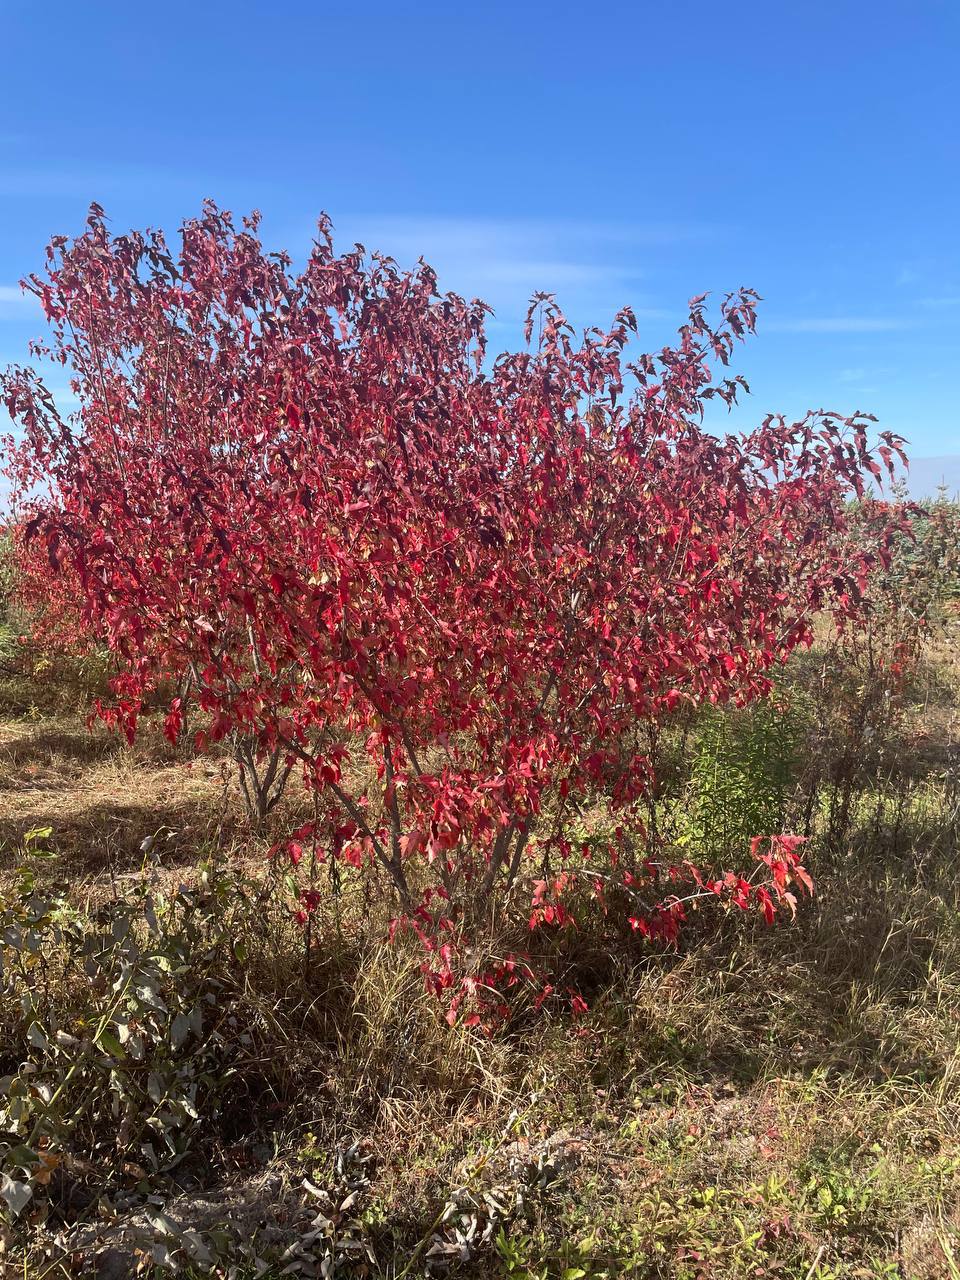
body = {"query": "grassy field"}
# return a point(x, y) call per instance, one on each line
point(193, 1085)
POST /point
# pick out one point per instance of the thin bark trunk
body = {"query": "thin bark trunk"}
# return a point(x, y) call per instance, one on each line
point(261, 791)
point(501, 853)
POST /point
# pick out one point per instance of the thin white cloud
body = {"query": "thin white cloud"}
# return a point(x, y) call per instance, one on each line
point(838, 324)
point(511, 271)
point(947, 300)
point(99, 183)
point(13, 301)
point(589, 265)
point(856, 377)
point(412, 236)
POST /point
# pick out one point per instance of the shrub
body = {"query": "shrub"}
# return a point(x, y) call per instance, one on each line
point(123, 1009)
point(305, 515)
point(743, 770)
point(861, 688)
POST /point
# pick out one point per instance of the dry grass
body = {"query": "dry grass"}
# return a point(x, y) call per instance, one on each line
point(103, 798)
point(761, 1103)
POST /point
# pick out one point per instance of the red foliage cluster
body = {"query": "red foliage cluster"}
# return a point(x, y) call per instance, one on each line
point(305, 511)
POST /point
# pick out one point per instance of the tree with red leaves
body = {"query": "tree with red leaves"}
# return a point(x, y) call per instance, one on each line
point(454, 594)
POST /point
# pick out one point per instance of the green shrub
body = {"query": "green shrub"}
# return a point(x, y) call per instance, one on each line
point(123, 1009)
point(744, 764)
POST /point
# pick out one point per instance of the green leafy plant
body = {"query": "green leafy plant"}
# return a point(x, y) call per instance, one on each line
point(124, 1007)
point(743, 769)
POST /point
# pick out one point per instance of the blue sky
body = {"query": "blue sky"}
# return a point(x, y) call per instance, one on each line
point(617, 152)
